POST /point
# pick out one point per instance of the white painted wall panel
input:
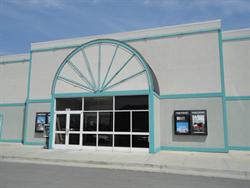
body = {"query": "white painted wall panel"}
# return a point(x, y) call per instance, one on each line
point(237, 67)
point(44, 67)
point(238, 123)
point(184, 64)
point(215, 137)
point(13, 82)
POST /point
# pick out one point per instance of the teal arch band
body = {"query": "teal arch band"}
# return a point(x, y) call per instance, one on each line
point(106, 41)
point(143, 63)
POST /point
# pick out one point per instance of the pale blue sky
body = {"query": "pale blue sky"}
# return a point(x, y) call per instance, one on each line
point(26, 21)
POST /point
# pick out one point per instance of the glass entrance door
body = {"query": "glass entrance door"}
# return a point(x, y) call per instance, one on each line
point(68, 129)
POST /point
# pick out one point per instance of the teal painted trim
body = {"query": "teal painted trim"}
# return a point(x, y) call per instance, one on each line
point(1, 125)
point(99, 67)
point(34, 143)
point(26, 111)
point(11, 140)
point(240, 148)
point(56, 48)
point(154, 37)
point(12, 104)
point(171, 35)
point(124, 80)
point(74, 83)
point(78, 72)
point(16, 61)
point(110, 65)
point(107, 41)
point(124, 65)
point(222, 77)
point(88, 67)
point(151, 123)
point(237, 98)
point(52, 114)
point(108, 93)
point(39, 101)
point(226, 39)
point(194, 149)
point(192, 95)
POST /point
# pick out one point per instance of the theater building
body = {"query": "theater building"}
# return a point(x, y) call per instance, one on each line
point(184, 87)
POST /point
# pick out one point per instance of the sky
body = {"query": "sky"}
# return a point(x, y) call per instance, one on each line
point(23, 22)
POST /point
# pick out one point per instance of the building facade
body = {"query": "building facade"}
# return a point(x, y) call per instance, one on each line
point(184, 88)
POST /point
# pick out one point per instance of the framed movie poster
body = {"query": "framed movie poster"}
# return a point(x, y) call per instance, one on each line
point(199, 122)
point(42, 118)
point(182, 122)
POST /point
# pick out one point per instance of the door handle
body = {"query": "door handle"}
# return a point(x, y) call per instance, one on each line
point(67, 131)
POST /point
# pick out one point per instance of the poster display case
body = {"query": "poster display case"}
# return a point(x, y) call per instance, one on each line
point(42, 119)
point(190, 122)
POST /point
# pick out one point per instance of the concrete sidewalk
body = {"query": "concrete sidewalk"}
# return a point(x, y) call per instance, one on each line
point(229, 165)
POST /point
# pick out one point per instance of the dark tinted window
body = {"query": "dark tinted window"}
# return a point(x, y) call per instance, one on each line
point(139, 102)
point(122, 140)
point(140, 122)
point(105, 140)
point(90, 121)
point(75, 120)
point(70, 103)
point(105, 121)
point(60, 138)
point(89, 140)
point(74, 139)
point(98, 103)
point(122, 121)
point(60, 122)
point(140, 141)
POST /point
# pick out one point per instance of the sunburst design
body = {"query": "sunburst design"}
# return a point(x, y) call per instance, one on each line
point(103, 67)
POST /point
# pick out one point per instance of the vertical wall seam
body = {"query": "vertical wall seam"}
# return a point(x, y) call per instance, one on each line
point(27, 102)
point(224, 106)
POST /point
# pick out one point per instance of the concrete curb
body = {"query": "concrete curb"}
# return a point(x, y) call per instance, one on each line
point(233, 174)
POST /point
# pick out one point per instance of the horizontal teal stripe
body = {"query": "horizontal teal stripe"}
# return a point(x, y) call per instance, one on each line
point(171, 35)
point(237, 98)
point(108, 93)
point(39, 100)
point(16, 61)
point(12, 104)
point(138, 38)
point(236, 38)
point(193, 95)
point(194, 149)
point(11, 140)
point(34, 143)
point(242, 148)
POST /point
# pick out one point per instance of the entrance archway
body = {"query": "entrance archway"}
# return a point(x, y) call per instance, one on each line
point(99, 68)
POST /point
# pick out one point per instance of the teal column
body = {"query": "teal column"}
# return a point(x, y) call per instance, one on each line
point(51, 128)
point(151, 123)
point(224, 107)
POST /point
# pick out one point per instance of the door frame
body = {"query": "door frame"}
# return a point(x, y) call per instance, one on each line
point(67, 130)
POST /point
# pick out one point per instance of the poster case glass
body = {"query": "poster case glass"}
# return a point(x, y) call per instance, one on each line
point(182, 122)
point(42, 119)
point(199, 122)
